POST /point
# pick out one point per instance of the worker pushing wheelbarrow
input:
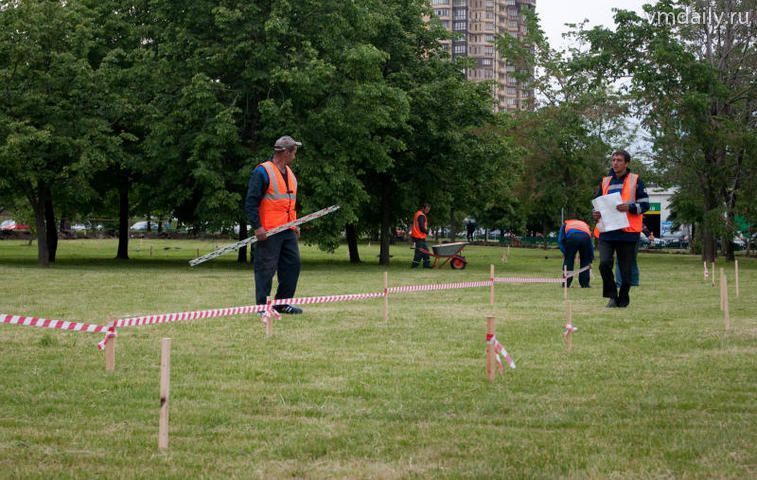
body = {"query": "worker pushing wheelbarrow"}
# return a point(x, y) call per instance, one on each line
point(450, 252)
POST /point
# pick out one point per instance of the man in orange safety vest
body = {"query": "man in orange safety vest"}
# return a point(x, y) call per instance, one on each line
point(271, 201)
point(621, 242)
point(418, 234)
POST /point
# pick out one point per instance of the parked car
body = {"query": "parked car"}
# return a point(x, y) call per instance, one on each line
point(142, 226)
point(12, 226)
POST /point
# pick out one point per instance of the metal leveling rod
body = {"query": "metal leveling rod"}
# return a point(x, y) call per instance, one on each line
point(249, 241)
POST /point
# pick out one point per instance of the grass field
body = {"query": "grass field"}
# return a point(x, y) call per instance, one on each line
point(658, 390)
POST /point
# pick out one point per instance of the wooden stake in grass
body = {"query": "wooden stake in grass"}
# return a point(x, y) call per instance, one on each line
point(726, 310)
point(386, 296)
point(491, 287)
point(268, 318)
point(151, 250)
point(110, 352)
point(565, 282)
point(722, 293)
point(198, 252)
point(712, 274)
point(165, 383)
point(568, 334)
point(490, 351)
point(736, 266)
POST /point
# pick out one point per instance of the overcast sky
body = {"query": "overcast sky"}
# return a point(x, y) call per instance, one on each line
point(553, 14)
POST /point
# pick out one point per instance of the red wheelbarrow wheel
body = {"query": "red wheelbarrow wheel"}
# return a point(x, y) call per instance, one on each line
point(458, 263)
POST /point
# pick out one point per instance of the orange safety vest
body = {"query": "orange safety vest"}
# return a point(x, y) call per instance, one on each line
point(416, 231)
point(628, 194)
point(277, 205)
point(577, 225)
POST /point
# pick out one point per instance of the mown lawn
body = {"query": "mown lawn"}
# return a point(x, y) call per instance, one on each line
point(658, 390)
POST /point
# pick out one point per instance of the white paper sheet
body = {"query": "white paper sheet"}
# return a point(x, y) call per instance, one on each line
point(612, 219)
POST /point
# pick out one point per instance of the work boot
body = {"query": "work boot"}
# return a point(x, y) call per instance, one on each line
point(288, 309)
point(612, 303)
point(426, 265)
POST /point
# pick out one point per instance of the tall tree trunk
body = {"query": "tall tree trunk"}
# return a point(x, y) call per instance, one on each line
point(123, 217)
point(708, 246)
point(386, 219)
point(52, 229)
point(242, 252)
point(38, 205)
point(727, 248)
point(351, 232)
point(544, 233)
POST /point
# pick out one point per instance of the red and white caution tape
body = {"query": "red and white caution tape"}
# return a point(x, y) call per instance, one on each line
point(527, 280)
point(326, 299)
point(440, 286)
point(499, 351)
point(576, 272)
point(569, 329)
point(111, 334)
point(48, 323)
point(182, 316)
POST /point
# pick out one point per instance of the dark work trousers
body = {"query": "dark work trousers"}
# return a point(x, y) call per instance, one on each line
point(582, 245)
point(278, 254)
point(624, 250)
point(420, 244)
point(634, 269)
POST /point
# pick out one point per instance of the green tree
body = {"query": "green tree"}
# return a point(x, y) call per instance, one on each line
point(51, 136)
point(694, 86)
point(567, 138)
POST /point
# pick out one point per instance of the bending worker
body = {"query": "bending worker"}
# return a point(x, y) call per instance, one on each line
point(418, 234)
point(621, 241)
point(270, 203)
point(575, 237)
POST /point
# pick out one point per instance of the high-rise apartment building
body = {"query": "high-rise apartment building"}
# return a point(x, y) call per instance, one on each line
point(476, 24)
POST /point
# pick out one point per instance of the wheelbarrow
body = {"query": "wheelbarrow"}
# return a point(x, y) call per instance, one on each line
point(450, 252)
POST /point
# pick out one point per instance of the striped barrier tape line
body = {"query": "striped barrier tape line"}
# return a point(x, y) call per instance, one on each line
point(527, 280)
point(48, 323)
point(576, 272)
point(326, 299)
point(182, 316)
point(440, 286)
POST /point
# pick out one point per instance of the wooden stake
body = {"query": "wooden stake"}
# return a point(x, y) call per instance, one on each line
point(165, 383)
point(726, 310)
point(491, 287)
point(565, 282)
point(151, 250)
point(737, 278)
point(269, 318)
point(110, 355)
point(568, 337)
point(491, 367)
point(386, 296)
point(722, 294)
point(198, 252)
point(712, 274)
